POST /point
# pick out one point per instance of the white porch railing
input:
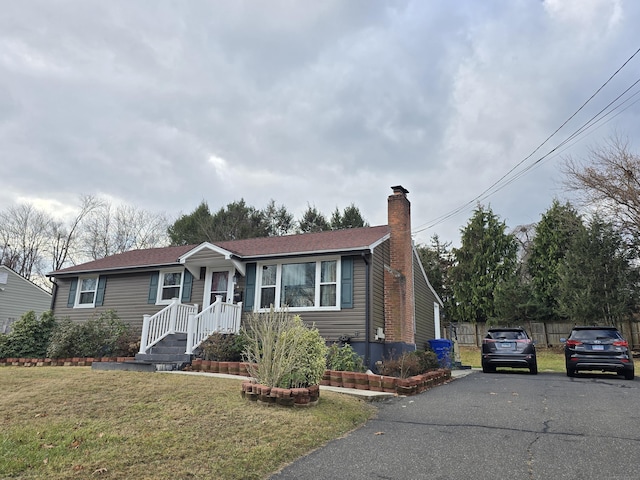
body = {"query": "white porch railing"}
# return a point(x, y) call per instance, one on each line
point(218, 317)
point(180, 318)
point(171, 319)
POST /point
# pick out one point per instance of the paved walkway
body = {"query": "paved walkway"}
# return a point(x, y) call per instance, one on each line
point(364, 394)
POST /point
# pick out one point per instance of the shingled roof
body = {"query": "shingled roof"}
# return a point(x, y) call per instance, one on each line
point(352, 239)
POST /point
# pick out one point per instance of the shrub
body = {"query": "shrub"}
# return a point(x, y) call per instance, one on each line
point(282, 351)
point(409, 364)
point(29, 336)
point(223, 347)
point(344, 358)
point(106, 335)
point(428, 360)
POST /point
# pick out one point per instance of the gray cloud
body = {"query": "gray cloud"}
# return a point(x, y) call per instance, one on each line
point(163, 104)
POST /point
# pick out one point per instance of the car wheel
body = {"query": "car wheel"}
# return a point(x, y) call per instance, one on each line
point(629, 374)
point(571, 372)
point(533, 370)
point(488, 369)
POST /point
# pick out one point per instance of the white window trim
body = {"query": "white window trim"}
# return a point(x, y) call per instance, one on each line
point(79, 290)
point(159, 300)
point(318, 261)
point(207, 285)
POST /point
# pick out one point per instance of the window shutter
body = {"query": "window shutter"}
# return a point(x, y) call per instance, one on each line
point(250, 287)
point(187, 285)
point(71, 301)
point(346, 283)
point(153, 287)
point(102, 283)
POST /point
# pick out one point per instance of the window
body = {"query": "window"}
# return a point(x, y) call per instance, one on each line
point(268, 286)
point(303, 285)
point(87, 288)
point(169, 286)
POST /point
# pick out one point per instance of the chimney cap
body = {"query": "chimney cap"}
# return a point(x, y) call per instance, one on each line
point(399, 189)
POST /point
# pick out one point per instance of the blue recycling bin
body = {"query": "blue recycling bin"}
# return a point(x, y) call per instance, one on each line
point(442, 347)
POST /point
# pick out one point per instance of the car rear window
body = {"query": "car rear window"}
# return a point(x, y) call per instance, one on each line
point(507, 335)
point(595, 334)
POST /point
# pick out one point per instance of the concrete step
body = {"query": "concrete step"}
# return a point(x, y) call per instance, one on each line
point(163, 357)
point(177, 350)
point(138, 366)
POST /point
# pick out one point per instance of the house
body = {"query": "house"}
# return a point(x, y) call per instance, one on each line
point(365, 286)
point(19, 296)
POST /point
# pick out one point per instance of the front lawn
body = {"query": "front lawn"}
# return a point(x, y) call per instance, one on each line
point(549, 360)
point(74, 422)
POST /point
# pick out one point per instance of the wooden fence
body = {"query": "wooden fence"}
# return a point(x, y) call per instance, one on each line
point(545, 334)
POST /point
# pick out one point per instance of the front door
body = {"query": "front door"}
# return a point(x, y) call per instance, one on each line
point(219, 282)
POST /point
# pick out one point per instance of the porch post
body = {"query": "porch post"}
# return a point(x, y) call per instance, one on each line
point(190, 329)
point(173, 316)
point(217, 314)
point(145, 333)
point(238, 318)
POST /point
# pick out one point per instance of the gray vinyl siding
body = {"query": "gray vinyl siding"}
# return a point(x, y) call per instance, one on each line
point(19, 296)
point(381, 257)
point(125, 293)
point(424, 300)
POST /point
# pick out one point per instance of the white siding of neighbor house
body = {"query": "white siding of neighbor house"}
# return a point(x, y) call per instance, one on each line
point(19, 296)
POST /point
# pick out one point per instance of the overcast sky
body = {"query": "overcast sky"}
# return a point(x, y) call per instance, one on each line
point(163, 104)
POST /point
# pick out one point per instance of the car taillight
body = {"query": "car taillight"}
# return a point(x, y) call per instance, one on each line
point(573, 343)
point(620, 343)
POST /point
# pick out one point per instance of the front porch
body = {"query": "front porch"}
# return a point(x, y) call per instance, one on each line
point(172, 335)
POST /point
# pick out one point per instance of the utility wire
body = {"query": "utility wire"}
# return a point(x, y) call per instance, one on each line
point(492, 188)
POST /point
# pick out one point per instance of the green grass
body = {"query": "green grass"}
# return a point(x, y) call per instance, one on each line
point(74, 422)
point(549, 360)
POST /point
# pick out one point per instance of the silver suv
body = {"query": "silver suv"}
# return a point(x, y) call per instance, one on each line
point(508, 347)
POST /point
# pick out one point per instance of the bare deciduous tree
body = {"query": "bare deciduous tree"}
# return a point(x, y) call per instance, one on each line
point(108, 230)
point(63, 236)
point(24, 236)
point(609, 181)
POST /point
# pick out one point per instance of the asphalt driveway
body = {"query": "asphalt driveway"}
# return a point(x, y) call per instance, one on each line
point(502, 425)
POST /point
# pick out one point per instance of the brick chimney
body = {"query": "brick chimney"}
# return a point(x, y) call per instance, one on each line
point(398, 276)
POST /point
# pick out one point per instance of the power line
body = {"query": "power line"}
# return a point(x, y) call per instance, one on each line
point(498, 184)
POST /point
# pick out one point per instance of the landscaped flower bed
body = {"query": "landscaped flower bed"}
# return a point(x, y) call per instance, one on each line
point(59, 362)
point(284, 397)
point(381, 383)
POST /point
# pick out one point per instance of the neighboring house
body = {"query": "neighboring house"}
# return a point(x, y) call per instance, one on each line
point(19, 296)
point(365, 286)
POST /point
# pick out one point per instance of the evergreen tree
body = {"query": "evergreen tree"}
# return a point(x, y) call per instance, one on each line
point(191, 229)
point(349, 218)
point(279, 220)
point(313, 221)
point(555, 233)
point(237, 221)
point(596, 279)
point(437, 260)
point(487, 257)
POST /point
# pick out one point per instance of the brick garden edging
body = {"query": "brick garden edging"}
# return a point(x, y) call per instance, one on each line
point(362, 381)
point(284, 397)
point(59, 362)
point(380, 383)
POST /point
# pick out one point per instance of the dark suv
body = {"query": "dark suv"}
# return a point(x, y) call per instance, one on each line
point(508, 347)
point(598, 348)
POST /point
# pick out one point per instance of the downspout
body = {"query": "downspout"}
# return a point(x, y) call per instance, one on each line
point(54, 291)
point(367, 347)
